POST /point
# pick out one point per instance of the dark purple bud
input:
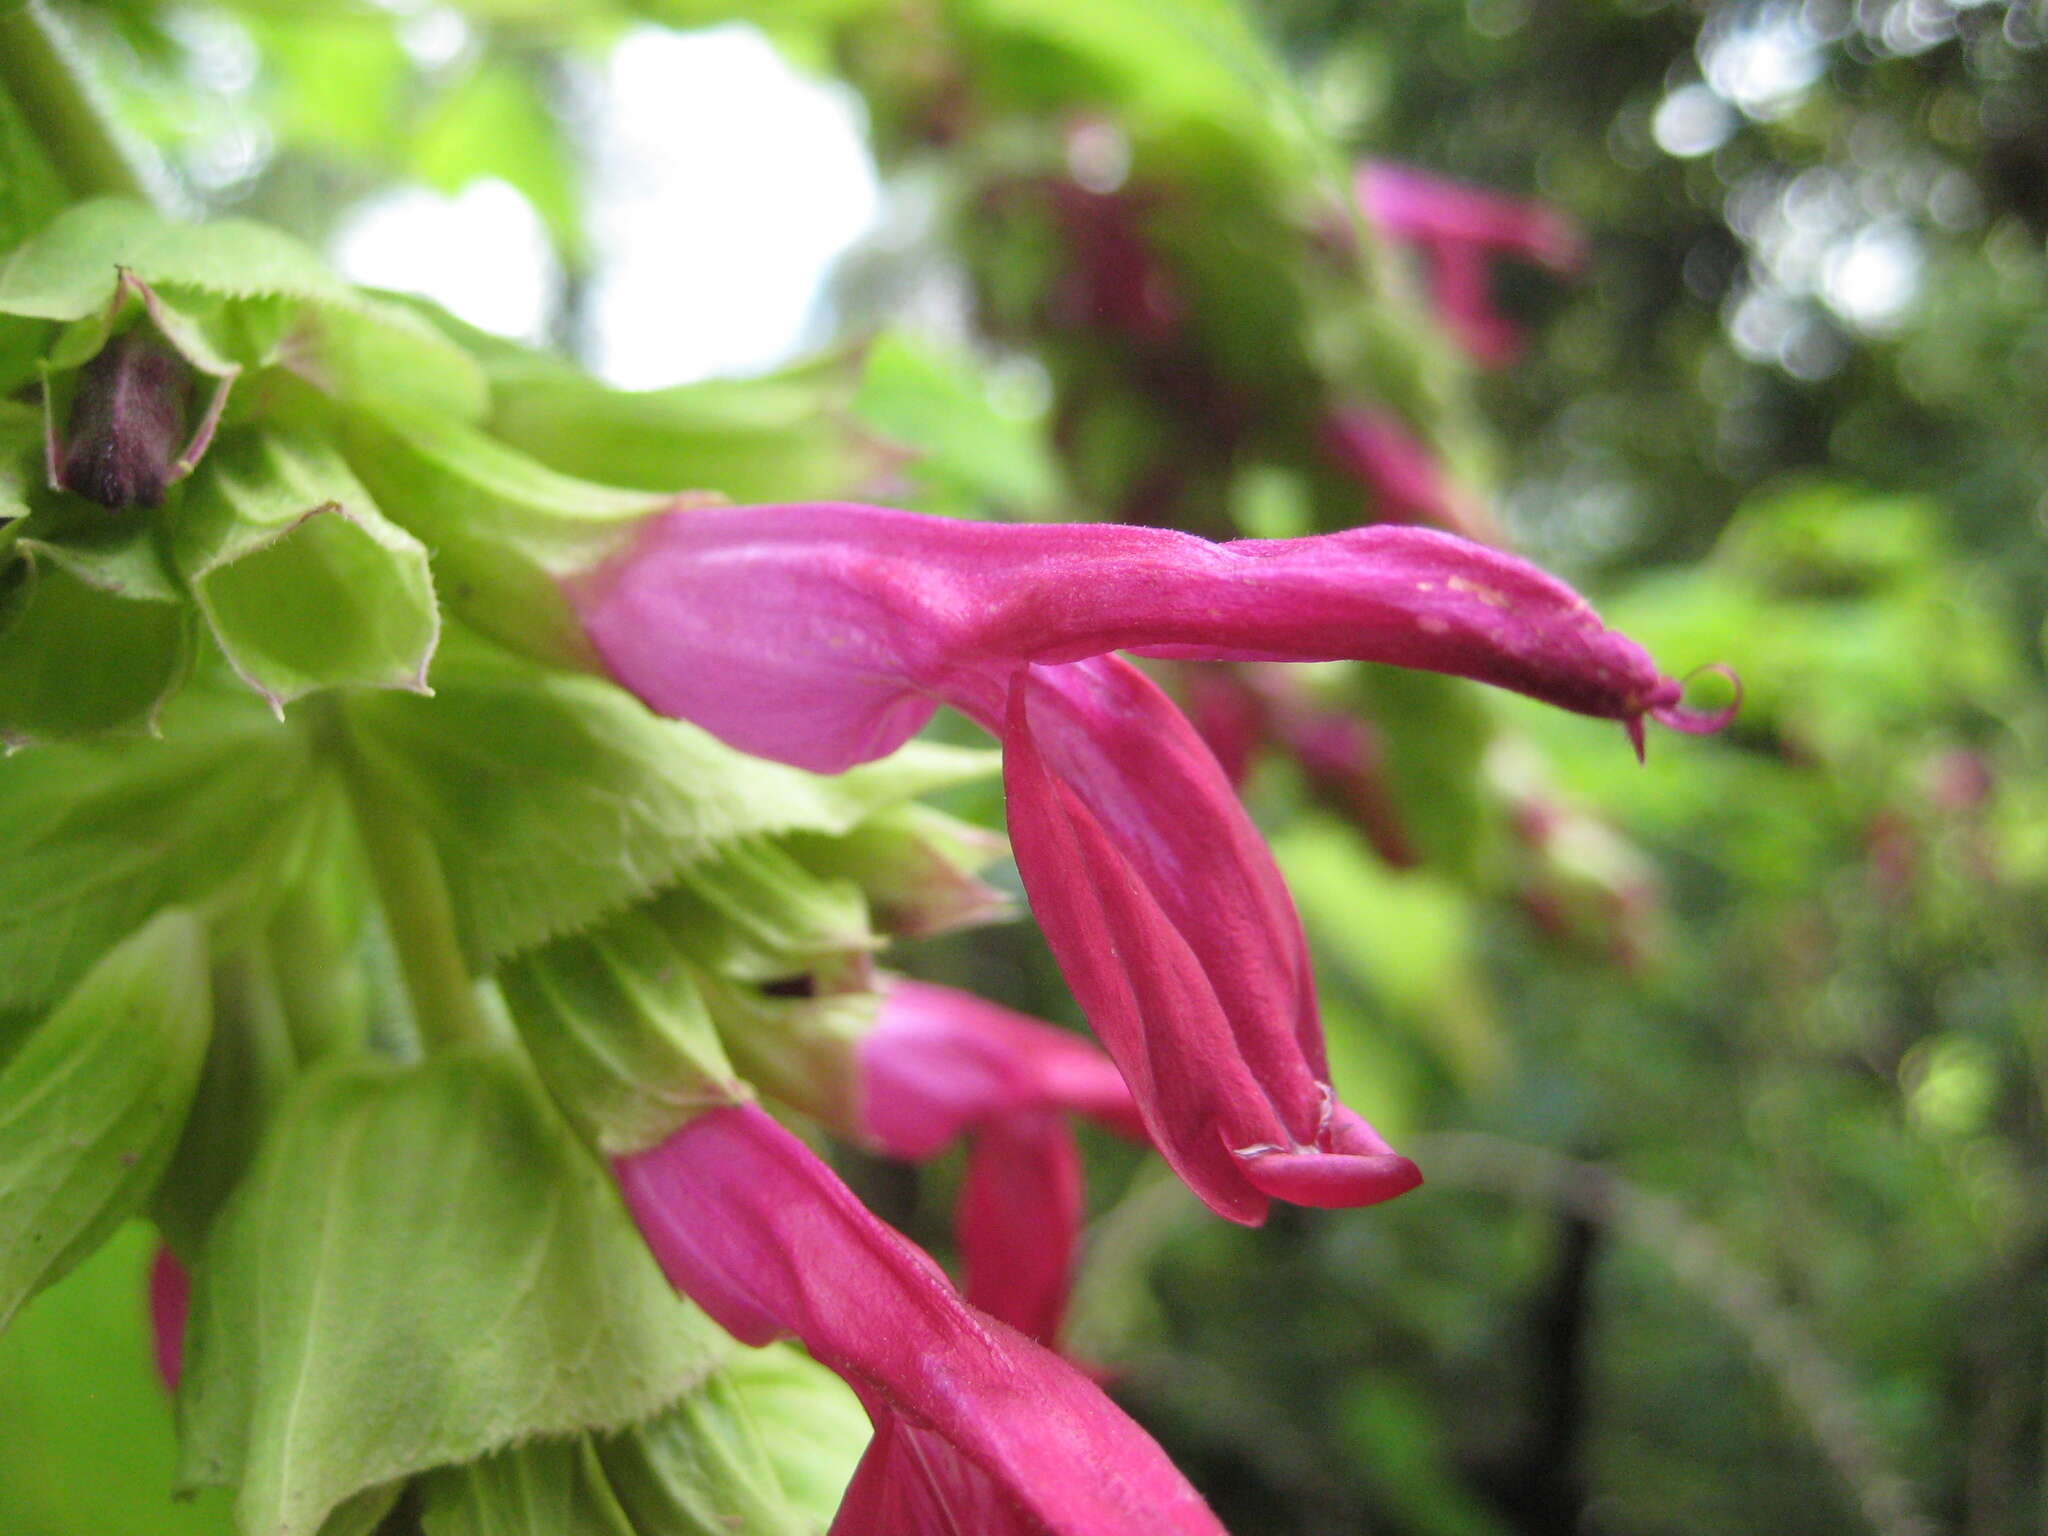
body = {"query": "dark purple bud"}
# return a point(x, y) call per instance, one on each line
point(127, 424)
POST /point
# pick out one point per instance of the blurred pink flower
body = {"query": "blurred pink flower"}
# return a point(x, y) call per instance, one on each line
point(941, 1064)
point(1459, 229)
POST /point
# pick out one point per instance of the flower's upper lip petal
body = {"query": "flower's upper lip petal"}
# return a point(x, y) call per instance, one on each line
point(822, 634)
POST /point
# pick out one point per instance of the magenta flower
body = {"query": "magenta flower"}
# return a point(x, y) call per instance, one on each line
point(826, 635)
point(976, 1427)
point(941, 1064)
point(1459, 229)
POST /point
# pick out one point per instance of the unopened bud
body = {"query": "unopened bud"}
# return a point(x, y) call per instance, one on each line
point(127, 424)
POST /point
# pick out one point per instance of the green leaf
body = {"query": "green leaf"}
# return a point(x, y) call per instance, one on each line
point(554, 1486)
point(752, 912)
point(796, 1049)
point(618, 1033)
point(916, 866)
point(91, 1104)
point(353, 345)
point(93, 637)
point(95, 838)
point(303, 582)
point(706, 1467)
point(66, 270)
point(31, 191)
point(503, 527)
point(423, 1267)
point(767, 439)
point(814, 1427)
point(249, 1063)
point(555, 800)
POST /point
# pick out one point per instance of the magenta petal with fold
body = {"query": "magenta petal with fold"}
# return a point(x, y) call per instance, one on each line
point(1174, 929)
point(940, 1063)
point(977, 1428)
point(1019, 1221)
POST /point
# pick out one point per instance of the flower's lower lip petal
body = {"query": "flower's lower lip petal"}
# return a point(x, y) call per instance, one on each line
point(1021, 1208)
point(745, 1220)
point(1331, 1181)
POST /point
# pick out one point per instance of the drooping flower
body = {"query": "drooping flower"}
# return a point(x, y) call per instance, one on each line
point(977, 1428)
point(941, 1064)
point(826, 635)
point(1459, 229)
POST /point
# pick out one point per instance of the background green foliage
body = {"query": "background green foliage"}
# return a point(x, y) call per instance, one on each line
point(1732, 1086)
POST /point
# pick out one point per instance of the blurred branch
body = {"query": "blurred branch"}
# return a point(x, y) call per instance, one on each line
point(1776, 1335)
point(41, 69)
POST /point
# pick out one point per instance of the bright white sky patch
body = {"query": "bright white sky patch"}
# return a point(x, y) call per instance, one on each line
point(481, 254)
point(725, 189)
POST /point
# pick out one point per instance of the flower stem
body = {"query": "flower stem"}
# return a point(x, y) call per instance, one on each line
point(42, 73)
point(417, 909)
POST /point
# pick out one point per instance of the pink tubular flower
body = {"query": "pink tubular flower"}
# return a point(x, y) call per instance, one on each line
point(1459, 229)
point(976, 1427)
point(940, 1064)
point(826, 635)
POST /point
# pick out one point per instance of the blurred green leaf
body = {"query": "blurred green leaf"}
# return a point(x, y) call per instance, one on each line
point(92, 1103)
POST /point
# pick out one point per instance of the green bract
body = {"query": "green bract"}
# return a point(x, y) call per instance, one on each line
point(556, 800)
point(94, 636)
point(303, 583)
point(91, 1103)
point(95, 839)
point(423, 1267)
point(619, 1034)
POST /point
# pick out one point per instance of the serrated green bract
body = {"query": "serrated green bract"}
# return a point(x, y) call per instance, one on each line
point(96, 838)
point(915, 865)
point(814, 1427)
point(503, 527)
point(765, 439)
point(302, 581)
point(618, 1033)
point(555, 800)
point(92, 1102)
point(256, 295)
point(423, 1267)
point(93, 638)
point(799, 1050)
